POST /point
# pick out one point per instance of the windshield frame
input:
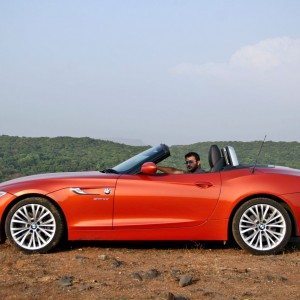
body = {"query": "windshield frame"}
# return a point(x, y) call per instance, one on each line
point(133, 165)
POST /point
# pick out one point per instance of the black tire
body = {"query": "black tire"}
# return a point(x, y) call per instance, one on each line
point(34, 225)
point(262, 226)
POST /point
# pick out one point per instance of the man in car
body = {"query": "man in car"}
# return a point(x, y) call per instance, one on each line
point(193, 165)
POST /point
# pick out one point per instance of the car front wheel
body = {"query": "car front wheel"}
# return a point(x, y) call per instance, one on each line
point(261, 226)
point(34, 225)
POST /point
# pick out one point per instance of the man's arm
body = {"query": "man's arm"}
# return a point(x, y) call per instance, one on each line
point(169, 170)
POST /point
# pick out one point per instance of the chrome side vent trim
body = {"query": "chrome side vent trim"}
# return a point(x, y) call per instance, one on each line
point(78, 191)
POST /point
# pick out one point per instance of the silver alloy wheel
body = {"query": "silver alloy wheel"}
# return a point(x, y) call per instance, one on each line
point(32, 226)
point(262, 227)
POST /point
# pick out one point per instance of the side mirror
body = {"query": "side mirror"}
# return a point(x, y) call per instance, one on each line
point(149, 168)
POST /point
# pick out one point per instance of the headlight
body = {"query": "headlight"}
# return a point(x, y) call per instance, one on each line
point(2, 193)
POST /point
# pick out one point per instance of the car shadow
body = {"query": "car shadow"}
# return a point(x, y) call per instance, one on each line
point(293, 246)
point(139, 245)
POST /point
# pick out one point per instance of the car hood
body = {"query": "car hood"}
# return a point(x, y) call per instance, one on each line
point(32, 180)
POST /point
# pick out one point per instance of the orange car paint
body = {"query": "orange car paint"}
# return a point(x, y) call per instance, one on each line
point(158, 206)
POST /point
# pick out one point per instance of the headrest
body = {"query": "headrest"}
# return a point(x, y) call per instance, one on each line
point(214, 155)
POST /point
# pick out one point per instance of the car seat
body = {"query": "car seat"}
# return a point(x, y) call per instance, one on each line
point(215, 159)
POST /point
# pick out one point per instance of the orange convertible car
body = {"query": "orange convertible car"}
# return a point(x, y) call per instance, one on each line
point(258, 206)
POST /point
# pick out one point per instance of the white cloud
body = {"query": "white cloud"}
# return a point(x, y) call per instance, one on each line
point(270, 55)
point(255, 91)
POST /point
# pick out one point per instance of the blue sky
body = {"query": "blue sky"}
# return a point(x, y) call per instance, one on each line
point(176, 72)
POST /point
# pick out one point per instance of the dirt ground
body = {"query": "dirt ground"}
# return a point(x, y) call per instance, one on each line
point(149, 271)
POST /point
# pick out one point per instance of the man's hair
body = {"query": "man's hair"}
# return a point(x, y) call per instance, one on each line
point(196, 155)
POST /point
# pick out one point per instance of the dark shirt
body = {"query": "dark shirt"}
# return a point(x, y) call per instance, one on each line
point(198, 171)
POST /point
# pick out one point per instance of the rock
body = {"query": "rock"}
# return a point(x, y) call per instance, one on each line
point(151, 274)
point(179, 297)
point(176, 297)
point(170, 296)
point(176, 274)
point(116, 263)
point(270, 278)
point(185, 280)
point(137, 276)
point(81, 258)
point(241, 270)
point(85, 287)
point(247, 294)
point(103, 257)
point(66, 281)
point(283, 278)
point(208, 294)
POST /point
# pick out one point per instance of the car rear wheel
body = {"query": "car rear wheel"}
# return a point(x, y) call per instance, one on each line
point(34, 225)
point(262, 226)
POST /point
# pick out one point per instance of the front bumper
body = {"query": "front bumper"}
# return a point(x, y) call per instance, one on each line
point(5, 200)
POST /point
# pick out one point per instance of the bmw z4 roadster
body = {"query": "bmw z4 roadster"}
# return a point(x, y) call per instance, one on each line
point(257, 206)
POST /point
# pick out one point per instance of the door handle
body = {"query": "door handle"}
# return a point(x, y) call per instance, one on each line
point(204, 185)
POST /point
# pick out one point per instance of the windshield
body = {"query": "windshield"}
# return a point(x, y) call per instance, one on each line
point(133, 164)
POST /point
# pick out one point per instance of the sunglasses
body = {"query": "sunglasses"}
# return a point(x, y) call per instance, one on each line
point(189, 162)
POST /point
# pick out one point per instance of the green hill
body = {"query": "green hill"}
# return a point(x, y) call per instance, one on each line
point(21, 156)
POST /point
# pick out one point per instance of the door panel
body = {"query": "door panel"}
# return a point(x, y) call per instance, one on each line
point(88, 204)
point(165, 200)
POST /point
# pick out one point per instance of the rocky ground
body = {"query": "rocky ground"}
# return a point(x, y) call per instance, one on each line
point(149, 271)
